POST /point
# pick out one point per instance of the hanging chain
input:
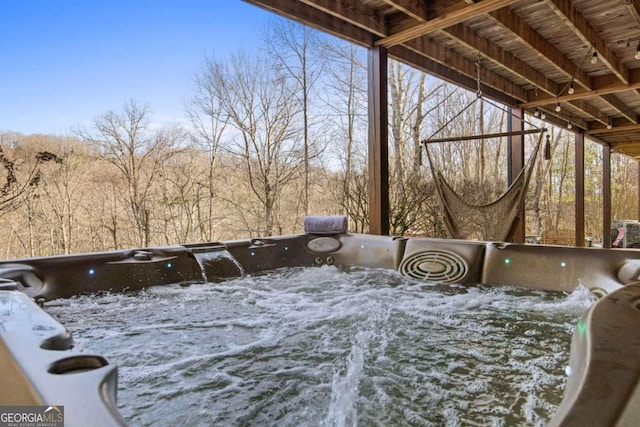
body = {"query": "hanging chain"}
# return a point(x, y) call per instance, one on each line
point(478, 88)
point(479, 95)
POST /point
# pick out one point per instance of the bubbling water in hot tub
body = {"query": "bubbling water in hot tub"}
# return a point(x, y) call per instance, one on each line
point(333, 347)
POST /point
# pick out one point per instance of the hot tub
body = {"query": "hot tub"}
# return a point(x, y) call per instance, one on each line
point(39, 364)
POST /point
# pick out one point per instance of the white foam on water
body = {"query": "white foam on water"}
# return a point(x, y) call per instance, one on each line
point(332, 347)
point(343, 410)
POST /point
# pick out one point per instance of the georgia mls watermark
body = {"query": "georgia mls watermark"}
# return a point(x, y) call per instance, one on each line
point(32, 416)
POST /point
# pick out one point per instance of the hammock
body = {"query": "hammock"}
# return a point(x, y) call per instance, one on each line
point(495, 221)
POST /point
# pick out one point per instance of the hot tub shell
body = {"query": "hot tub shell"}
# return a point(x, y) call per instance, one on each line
point(40, 366)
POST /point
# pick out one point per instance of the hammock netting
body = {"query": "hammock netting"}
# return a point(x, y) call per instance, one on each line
point(495, 221)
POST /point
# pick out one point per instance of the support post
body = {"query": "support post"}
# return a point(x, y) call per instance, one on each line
point(378, 142)
point(515, 161)
point(579, 202)
point(606, 196)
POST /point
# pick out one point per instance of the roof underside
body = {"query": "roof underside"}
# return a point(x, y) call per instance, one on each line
point(531, 52)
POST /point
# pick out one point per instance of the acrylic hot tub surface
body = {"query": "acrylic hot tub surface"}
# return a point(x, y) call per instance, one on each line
point(331, 346)
point(299, 348)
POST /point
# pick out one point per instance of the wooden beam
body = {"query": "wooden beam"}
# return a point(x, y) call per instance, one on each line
point(579, 188)
point(580, 105)
point(489, 50)
point(529, 36)
point(484, 136)
point(445, 20)
point(562, 119)
point(352, 12)
point(460, 64)
point(408, 56)
point(626, 147)
point(606, 196)
point(565, 10)
point(617, 128)
point(503, 58)
point(414, 8)
point(378, 142)
point(601, 85)
point(623, 145)
point(317, 19)
point(589, 110)
point(634, 9)
point(621, 107)
point(516, 162)
point(495, 54)
point(436, 9)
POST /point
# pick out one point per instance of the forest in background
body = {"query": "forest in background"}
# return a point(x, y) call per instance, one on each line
point(271, 138)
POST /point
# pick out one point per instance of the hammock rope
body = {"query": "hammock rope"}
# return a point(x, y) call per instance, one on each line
point(494, 221)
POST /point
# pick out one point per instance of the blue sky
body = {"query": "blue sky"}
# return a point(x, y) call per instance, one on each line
point(65, 62)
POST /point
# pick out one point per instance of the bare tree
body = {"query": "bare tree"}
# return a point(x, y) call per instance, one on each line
point(177, 214)
point(206, 115)
point(21, 175)
point(106, 209)
point(291, 44)
point(63, 192)
point(259, 102)
point(410, 189)
point(346, 100)
point(127, 142)
point(624, 203)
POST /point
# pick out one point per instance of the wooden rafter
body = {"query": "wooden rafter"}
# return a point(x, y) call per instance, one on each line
point(434, 68)
point(415, 9)
point(621, 108)
point(317, 18)
point(634, 8)
point(436, 52)
point(589, 110)
point(561, 118)
point(505, 59)
point(446, 20)
point(501, 57)
point(354, 14)
point(437, 9)
point(545, 49)
point(358, 17)
point(602, 85)
point(616, 128)
point(573, 18)
point(624, 145)
point(489, 51)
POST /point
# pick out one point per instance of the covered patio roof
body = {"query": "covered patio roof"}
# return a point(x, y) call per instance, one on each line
point(569, 61)
point(533, 54)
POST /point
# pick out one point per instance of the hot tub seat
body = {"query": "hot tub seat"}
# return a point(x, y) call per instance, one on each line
point(603, 388)
point(39, 366)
